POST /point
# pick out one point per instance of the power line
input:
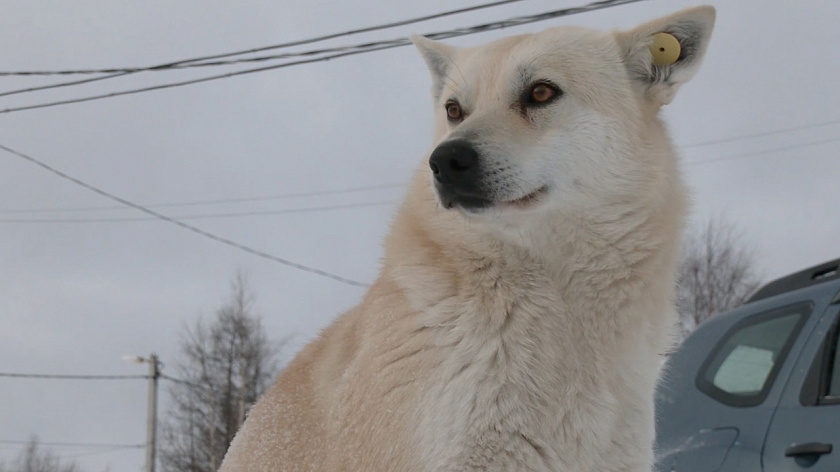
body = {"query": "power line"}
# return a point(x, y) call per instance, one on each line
point(108, 448)
point(69, 444)
point(97, 453)
point(119, 72)
point(203, 216)
point(296, 210)
point(194, 81)
point(181, 381)
point(63, 84)
point(186, 226)
point(87, 377)
point(284, 196)
point(764, 151)
point(348, 189)
point(308, 209)
point(348, 51)
point(191, 62)
point(71, 377)
point(759, 135)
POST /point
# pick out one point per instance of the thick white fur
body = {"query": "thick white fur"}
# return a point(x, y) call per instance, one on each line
point(525, 337)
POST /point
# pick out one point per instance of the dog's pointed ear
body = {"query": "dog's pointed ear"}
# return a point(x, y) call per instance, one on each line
point(438, 57)
point(665, 53)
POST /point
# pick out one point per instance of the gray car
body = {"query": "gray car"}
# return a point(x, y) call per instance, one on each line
point(758, 388)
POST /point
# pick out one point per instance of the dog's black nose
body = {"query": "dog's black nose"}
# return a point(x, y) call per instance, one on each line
point(455, 163)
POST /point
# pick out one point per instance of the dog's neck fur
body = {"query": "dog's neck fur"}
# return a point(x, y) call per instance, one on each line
point(504, 317)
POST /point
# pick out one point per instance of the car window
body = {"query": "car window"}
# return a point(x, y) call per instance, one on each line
point(834, 366)
point(822, 382)
point(744, 370)
point(740, 370)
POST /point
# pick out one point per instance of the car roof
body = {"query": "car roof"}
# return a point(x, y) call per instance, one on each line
point(817, 274)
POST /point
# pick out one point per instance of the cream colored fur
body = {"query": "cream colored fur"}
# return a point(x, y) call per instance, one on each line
point(524, 337)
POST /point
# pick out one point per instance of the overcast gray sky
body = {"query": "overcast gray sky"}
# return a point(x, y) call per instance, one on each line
point(76, 296)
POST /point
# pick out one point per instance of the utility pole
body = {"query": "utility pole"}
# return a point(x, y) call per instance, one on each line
point(151, 414)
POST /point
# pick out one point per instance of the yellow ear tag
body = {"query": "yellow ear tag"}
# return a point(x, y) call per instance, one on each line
point(665, 49)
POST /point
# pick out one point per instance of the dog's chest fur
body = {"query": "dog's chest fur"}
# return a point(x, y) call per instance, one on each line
point(528, 378)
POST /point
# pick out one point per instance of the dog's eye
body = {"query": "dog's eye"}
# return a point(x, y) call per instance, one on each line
point(542, 93)
point(453, 111)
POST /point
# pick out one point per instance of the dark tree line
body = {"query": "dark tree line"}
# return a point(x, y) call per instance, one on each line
point(35, 458)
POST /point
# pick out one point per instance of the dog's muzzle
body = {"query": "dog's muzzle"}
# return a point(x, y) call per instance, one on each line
point(456, 167)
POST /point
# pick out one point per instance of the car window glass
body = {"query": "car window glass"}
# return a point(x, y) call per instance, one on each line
point(742, 367)
point(749, 355)
point(744, 371)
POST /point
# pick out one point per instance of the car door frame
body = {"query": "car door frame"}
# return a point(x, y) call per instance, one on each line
point(803, 389)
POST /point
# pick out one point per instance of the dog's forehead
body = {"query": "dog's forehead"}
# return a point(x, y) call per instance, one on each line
point(565, 49)
point(581, 61)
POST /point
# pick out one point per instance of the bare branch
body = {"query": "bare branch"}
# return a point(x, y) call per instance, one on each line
point(227, 364)
point(717, 273)
point(34, 458)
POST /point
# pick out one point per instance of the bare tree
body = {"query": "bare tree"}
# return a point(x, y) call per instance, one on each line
point(226, 365)
point(717, 273)
point(34, 458)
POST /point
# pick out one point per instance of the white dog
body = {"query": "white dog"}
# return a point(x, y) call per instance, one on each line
point(528, 281)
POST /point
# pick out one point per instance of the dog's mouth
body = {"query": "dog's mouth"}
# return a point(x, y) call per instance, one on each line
point(529, 200)
point(476, 204)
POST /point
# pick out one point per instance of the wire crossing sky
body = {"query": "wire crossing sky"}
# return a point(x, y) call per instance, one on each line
point(199, 61)
point(324, 54)
point(186, 226)
point(71, 377)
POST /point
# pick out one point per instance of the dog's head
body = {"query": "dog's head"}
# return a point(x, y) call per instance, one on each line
point(560, 118)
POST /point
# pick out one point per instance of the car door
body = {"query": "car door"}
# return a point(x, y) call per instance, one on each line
point(804, 433)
